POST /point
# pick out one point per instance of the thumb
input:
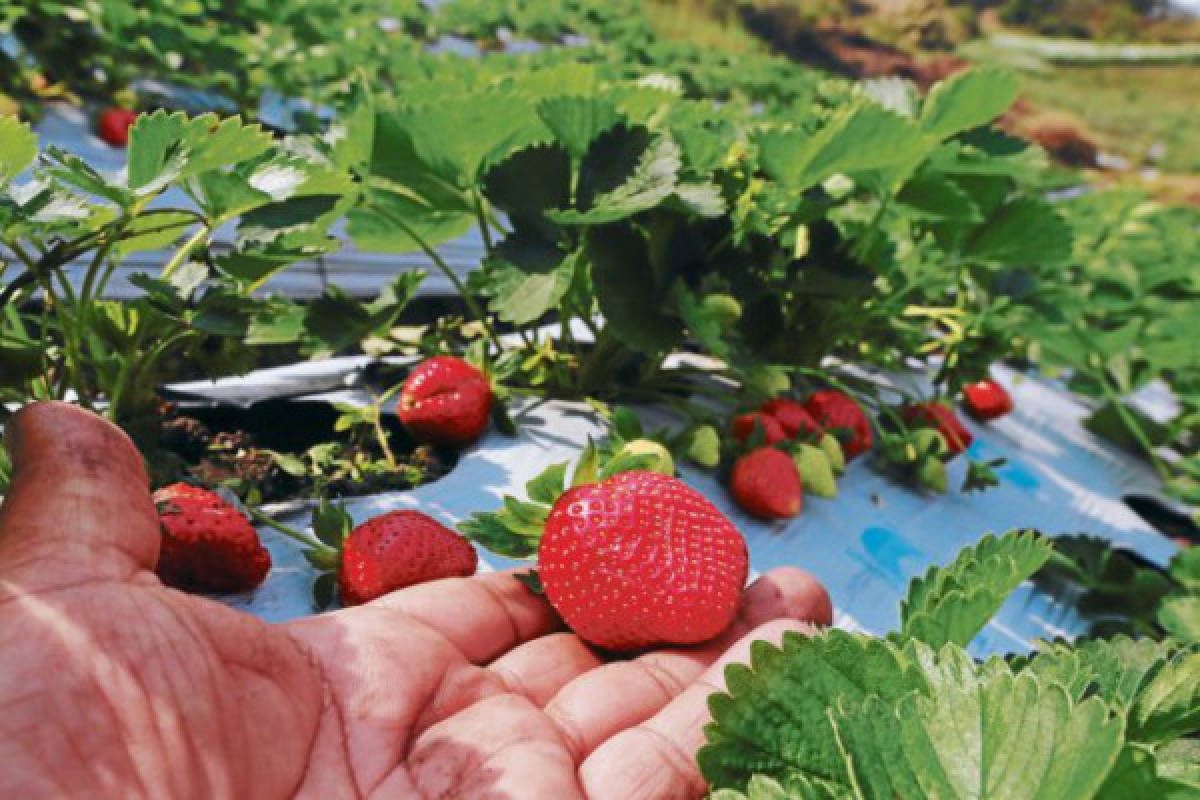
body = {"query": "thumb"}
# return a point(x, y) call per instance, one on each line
point(78, 507)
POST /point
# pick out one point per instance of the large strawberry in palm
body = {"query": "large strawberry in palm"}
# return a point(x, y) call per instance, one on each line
point(629, 561)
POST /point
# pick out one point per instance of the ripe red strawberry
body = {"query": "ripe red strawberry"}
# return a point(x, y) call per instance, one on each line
point(941, 418)
point(445, 401)
point(832, 409)
point(641, 559)
point(766, 484)
point(744, 425)
point(399, 549)
point(113, 125)
point(207, 544)
point(987, 400)
point(796, 421)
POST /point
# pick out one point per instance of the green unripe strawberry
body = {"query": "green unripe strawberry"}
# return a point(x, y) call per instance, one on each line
point(931, 473)
point(767, 380)
point(816, 472)
point(833, 451)
point(928, 442)
point(723, 308)
point(659, 457)
point(704, 446)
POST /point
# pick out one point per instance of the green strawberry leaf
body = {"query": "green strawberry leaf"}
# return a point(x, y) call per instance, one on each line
point(322, 590)
point(1137, 774)
point(391, 222)
point(457, 137)
point(774, 717)
point(861, 138)
point(530, 275)
point(331, 522)
point(1185, 568)
point(701, 199)
point(993, 736)
point(522, 517)
point(760, 787)
point(577, 121)
point(1025, 231)
point(74, 171)
point(1179, 615)
point(953, 603)
point(1168, 706)
point(1114, 669)
point(626, 424)
point(532, 581)
point(501, 418)
point(587, 467)
point(707, 327)
point(493, 531)
point(352, 137)
point(982, 475)
point(18, 147)
point(968, 100)
point(530, 182)
point(547, 486)
point(652, 179)
point(633, 306)
point(1180, 761)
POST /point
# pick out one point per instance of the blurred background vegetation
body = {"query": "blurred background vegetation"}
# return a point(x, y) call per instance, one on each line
point(1122, 93)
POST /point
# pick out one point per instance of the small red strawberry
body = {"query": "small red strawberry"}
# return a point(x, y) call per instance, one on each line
point(941, 418)
point(113, 125)
point(987, 400)
point(766, 484)
point(207, 544)
point(744, 425)
point(796, 421)
point(641, 559)
point(189, 493)
point(833, 409)
point(399, 549)
point(445, 401)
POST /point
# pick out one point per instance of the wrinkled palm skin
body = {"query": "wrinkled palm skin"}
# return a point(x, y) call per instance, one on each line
point(112, 685)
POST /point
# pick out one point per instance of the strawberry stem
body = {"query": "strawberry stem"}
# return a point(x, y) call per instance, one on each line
point(299, 536)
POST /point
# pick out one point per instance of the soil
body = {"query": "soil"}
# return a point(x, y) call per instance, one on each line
point(844, 50)
point(233, 446)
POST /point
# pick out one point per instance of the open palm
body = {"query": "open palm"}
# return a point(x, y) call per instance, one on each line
point(112, 685)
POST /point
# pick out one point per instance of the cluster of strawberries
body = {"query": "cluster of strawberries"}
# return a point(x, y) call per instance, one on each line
point(209, 545)
point(634, 559)
point(794, 448)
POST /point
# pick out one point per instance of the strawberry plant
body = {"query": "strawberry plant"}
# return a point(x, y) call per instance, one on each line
point(233, 51)
point(1124, 318)
point(67, 226)
point(913, 715)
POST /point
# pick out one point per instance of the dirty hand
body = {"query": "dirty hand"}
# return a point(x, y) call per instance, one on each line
point(112, 685)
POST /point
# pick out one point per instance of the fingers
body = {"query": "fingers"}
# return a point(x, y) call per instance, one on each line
point(539, 669)
point(657, 758)
point(78, 508)
point(578, 691)
point(483, 616)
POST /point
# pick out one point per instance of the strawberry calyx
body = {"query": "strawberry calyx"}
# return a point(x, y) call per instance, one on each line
point(331, 523)
point(515, 529)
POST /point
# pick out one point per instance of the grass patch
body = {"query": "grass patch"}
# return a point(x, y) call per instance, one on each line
point(1130, 109)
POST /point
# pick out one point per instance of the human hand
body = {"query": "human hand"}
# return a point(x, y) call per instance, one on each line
point(112, 685)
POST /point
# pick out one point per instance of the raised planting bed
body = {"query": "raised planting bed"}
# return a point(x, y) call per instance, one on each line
point(866, 544)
